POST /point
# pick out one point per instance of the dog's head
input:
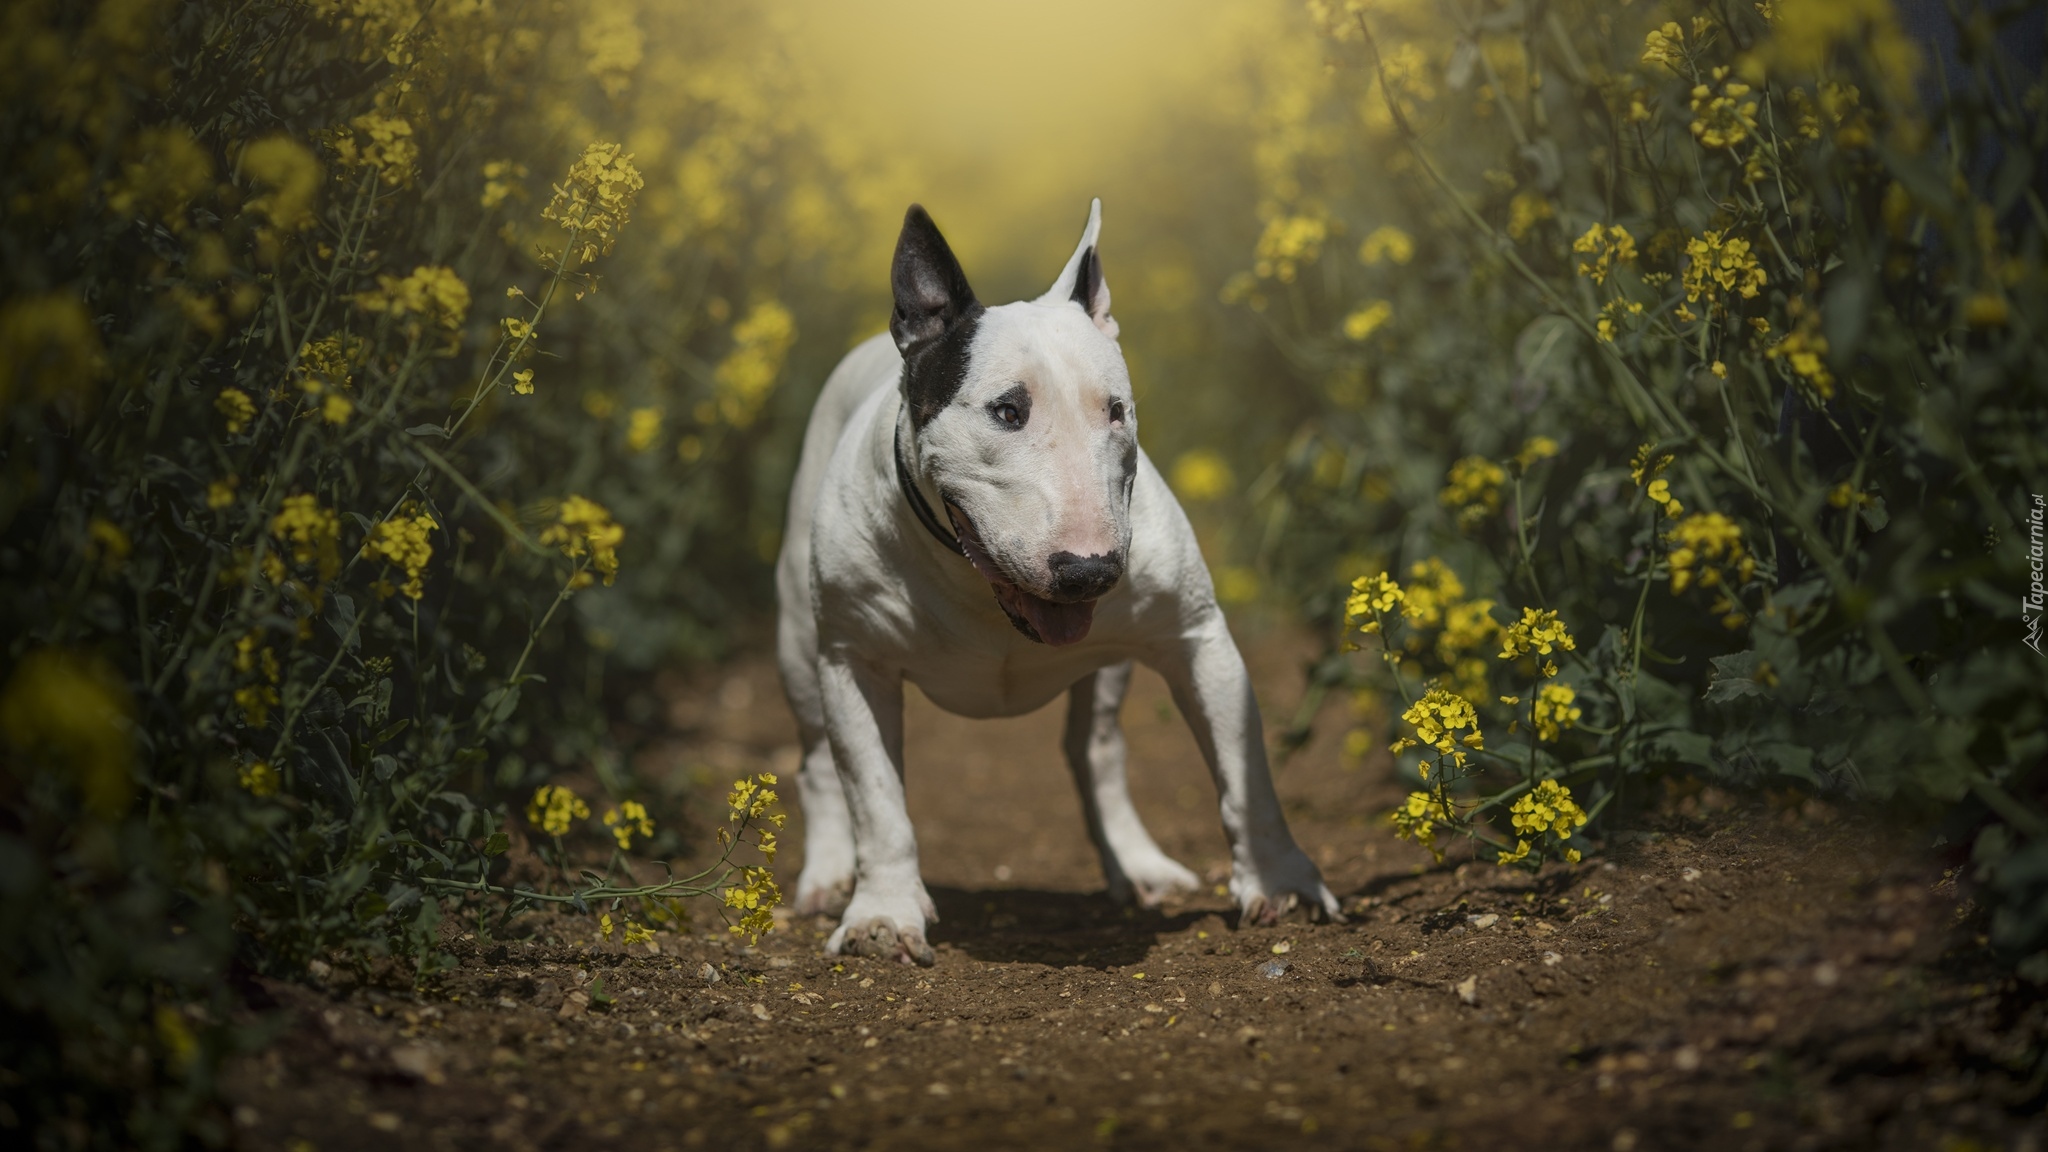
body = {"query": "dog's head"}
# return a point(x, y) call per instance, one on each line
point(1024, 423)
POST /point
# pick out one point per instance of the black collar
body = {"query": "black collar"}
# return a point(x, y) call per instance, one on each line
point(919, 504)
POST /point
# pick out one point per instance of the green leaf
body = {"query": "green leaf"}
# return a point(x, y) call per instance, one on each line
point(497, 844)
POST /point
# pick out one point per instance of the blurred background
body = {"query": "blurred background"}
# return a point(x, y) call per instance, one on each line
point(401, 397)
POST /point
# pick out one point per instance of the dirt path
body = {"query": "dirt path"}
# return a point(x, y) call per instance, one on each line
point(1742, 978)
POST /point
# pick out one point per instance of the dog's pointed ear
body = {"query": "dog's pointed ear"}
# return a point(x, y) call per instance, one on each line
point(931, 290)
point(1081, 280)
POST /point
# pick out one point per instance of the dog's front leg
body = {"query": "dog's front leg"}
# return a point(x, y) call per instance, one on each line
point(1269, 872)
point(864, 722)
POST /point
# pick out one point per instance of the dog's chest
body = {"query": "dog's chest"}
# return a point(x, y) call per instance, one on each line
point(1003, 681)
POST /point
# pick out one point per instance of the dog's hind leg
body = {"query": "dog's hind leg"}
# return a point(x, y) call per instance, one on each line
point(1131, 861)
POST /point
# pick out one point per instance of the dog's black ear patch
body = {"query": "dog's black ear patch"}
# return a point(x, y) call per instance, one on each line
point(934, 318)
point(1088, 281)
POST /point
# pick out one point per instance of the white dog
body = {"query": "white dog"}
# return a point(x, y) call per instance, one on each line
point(1059, 557)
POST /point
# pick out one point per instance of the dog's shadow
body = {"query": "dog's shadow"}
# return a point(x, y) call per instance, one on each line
point(1060, 929)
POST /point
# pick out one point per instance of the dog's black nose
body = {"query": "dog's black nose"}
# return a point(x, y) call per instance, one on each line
point(1077, 578)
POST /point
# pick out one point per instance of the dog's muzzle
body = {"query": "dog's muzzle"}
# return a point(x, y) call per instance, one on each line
point(1077, 582)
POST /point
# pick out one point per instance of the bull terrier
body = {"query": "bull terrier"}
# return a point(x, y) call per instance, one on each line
point(972, 513)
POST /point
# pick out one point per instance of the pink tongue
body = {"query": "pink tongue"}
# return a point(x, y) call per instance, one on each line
point(1056, 624)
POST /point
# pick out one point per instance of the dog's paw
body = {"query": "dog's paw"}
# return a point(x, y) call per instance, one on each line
point(1273, 886)
point(886, 929)
point(1152, 880)
point(821, 892)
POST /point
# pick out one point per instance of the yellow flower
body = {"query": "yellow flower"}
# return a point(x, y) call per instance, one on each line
point(312, 532)
point(1659, 493)
point(1548, 808)
point(1534, 449)
point(596, 200)
point(1520, 853)
point(1805, 349)
point(258, 778)
point(1201, 475)
point(553, 808)
point(1417, 819)
point(1538, 632)
point(235, 405)
point(1287, 243)
point(612, 44)
point(604, 925)
point(1665, 45)
point(1433, 588)
point(336, 408)
point(1386, 243)
point(292, 175)
point(1473, 489)
point(1708, 549)
point(1724, 120)
point(755, 898)
point(751, 798)
point(642, 426)
point(522, 382)
point(761, 342)
point(1646, 465)
point(221, 492)
point(1370, 595)
point(381, 142)
point(585, 527)
point(501, 180)
point(402, 540)
point(1720, 261)
point(107, 542)
point(1436, 718)
point(1367, 319)
point(1554, 711)
point(637, 933)
point(432, 294)
point(628, 820)
point(1609, 245)
point(1525, 211)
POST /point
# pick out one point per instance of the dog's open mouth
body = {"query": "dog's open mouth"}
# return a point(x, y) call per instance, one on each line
point(1045, 621)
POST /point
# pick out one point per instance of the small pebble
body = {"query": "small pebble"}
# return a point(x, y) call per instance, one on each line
point(1273, 969)
point(709, 975)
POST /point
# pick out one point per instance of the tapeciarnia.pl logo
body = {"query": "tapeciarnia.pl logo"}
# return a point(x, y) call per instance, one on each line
point(2036, 600)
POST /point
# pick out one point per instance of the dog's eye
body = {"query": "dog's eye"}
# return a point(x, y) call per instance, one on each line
point(1013, 408)
point(1116, 411)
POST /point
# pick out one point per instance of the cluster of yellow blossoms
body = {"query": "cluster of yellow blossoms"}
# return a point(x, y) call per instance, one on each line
point(1417, 819)
point(431, 295)
point(628, 820)
point(760, 343)
point(1724, 119)
point(596, 200)
point(1609, 246)
point(312, 532)
point(1548, 807)
point(1723, 262)
point(636, 932)
point(1538, 631)
point(1436, 718)
point(1473, 489)
point(402, 540)
point(553, 808)
point(583, 527)
point(756, 896)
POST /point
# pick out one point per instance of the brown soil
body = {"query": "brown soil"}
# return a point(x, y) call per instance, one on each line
point(1738, 977)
